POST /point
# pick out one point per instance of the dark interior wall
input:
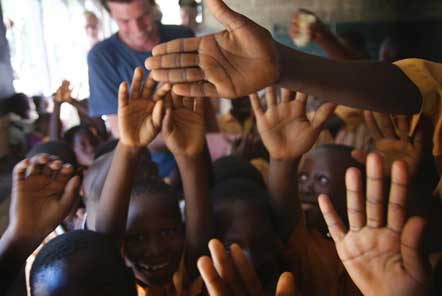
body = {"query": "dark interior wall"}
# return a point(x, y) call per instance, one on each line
point(6, 87)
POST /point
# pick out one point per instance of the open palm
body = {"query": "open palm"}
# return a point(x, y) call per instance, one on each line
point(381, 254)
point(183, 125)
point(140, 112)
point(286, 123)
point(231, 64)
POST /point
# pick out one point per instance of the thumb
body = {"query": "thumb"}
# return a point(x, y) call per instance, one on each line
point(230, 19)
point(286, 285)
point(414, 261)
point(157, 114)
point(70, 195)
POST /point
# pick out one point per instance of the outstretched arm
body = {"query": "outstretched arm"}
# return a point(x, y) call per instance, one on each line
point(244, 58)
point(287, 134)
point(139, 119)
point(184, 135)
point(43, 193)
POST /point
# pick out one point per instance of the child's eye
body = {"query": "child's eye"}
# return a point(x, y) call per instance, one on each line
point(323, 180)
point(302, 177)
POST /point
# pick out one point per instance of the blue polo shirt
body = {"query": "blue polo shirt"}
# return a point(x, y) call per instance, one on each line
point(110, 62)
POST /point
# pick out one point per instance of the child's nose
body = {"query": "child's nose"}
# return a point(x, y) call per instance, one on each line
point(154, 247)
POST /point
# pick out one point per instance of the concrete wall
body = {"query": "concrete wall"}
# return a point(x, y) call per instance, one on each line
point(6, 88)
point(269, 12)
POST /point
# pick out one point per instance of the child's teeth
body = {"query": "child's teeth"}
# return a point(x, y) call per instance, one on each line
point(154, 267)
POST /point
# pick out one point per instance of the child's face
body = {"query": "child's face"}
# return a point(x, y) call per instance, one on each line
point(247, 225)
point(322, 172)
point(154, 239)
point(84, 148)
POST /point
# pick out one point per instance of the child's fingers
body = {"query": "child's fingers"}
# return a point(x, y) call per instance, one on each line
point(55, 166)
point(372, 125)
point(375, 191)
point(70, 195)
point(270, 96)
point(334, 223)
point(300, 103)
point(246, 271)
point(214, 283)
point(177, 101)
point(157, 114)
point(322, 114)
point(386, 125)
point(65, 173)
point(287, 95)
point(135, 86)
point(179, 75)
point(37, 164)
point(398, 197)
point(161, 92)
point(355, 199)
point(123, 98)
point(224, 267)
point(20, 170)
point(173, 61)
point(167, 126)
point(286, 285)
point(199, 106)
point(148, 87)
point(188, 103)
point(256, 105)
point(403, 125)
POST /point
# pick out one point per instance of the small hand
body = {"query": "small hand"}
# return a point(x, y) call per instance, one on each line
point(284, 128)
point(380, 252)
point(395, 145)
point(183, 125)
point(224, 275)
point(63, 93)
point(231, 64)
point(43, 193)
point(315, 31)
point(140, 113)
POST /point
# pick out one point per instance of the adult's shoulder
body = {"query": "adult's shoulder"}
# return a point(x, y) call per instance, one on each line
point(171, 32)
point(102, 49)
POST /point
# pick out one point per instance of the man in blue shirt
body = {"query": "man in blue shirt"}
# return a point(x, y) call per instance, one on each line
point(114, 59)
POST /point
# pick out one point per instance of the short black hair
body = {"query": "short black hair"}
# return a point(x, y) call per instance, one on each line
point(188, 3)
point(99, 253)
point(232, 167)
point(239, 189)
point(55, 148)
point(346, 150)
point(104, 2)
point(70, 134)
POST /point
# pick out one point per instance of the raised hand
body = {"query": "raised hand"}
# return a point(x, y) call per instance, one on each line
point(381, 251)
point(233, 63)
point(315, 31)
point(392, 140)
point(63, 93)
point(43, 193)
point(224, 275)
point(183, 125)
point(284, 128)
point(140, 113)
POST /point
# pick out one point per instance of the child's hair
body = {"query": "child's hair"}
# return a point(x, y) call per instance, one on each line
point(70, 134)
point(105, 148)
point(94, 259)
point(188, 3)
point(59, 149)
point(232, 167)
point(345, 150)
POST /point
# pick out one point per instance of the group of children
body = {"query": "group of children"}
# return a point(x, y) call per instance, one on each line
point(290, 212)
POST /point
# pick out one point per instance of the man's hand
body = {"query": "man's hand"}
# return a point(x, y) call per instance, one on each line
point(183, 125)
point(233, 63)
point(43, 193)
point(285, 129)
point(381, 251)
point(234, 275)
point(140, 113)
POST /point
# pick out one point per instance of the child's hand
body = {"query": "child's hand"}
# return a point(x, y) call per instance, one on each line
point(43, 193)
point(183, 125)
point(140, 113)
point(235, 275)
point(381, 251)
point(63, 93)
point(394, 145)
point(284, 128)
point(232, 63)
